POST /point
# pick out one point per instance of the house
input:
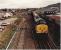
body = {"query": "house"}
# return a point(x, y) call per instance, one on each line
point(8, 14)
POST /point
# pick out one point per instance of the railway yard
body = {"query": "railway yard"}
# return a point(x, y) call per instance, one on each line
point(16, 32)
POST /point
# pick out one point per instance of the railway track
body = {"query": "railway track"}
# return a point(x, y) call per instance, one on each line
point(46, 44)
point(49, 43)
point(25, 40)
point(24, 37)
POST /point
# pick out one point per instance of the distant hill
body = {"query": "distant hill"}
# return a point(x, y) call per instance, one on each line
point(52, 7)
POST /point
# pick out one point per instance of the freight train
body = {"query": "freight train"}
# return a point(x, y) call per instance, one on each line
point(40, 27)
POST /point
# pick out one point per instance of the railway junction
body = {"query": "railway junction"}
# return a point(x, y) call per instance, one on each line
point(22, 39)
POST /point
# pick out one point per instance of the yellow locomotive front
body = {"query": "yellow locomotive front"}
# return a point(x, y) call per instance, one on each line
point(41, 29)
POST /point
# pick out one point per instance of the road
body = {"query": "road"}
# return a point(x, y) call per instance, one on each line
point(8, 21)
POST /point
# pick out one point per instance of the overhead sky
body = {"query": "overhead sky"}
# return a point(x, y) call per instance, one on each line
point(26, 3)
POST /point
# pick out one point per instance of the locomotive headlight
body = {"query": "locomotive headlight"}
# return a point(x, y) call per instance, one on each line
point(46, 31)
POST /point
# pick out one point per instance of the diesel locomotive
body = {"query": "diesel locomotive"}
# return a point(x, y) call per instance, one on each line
point(40, 27)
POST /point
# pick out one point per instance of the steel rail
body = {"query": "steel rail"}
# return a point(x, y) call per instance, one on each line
point(10, 41)
point(51, 40)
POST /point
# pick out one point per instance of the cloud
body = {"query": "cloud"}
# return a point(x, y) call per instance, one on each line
point(25, 3)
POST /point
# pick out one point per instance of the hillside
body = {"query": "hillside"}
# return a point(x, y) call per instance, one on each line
point(53, 7)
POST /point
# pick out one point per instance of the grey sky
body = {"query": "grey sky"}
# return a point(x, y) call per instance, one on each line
point(26, 3)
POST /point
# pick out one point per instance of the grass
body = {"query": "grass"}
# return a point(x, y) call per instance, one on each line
point(8, 33)
point(5, 38)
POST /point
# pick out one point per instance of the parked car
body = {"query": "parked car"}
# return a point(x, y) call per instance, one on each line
point(4, 24)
